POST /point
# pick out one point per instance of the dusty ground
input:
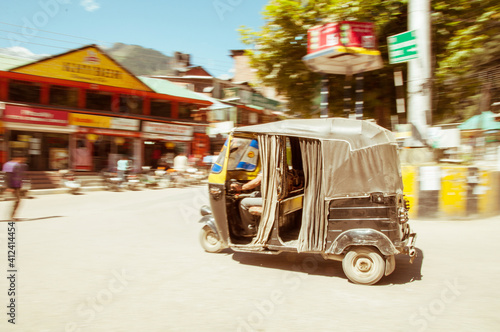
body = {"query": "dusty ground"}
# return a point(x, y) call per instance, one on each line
point(131, 261)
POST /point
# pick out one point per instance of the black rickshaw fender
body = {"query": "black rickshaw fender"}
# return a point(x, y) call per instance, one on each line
point(209, 221)
point(363, 237)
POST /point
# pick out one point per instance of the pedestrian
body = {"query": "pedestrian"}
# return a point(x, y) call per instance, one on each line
point(181, 162)
point(156, 156)
point(122, 167)
point(14, 173)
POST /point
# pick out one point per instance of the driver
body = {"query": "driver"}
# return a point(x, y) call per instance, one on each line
point(248, 220)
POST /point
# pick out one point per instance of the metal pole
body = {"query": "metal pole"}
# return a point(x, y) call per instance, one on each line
point(419, 70)
point(324, 96)
point(347, 95)
point(359, 96)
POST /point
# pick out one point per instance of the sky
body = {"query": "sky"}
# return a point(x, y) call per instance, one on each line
point(206, 29)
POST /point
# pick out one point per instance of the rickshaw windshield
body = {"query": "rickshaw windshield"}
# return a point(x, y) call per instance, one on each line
point(243, 155)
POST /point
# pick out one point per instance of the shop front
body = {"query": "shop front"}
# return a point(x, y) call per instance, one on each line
point(163, 141)
point(43, 135)
point(100, 141)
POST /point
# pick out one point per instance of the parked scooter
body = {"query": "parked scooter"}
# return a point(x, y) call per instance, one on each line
point(70, 181)
point(132, 181)
point(194, 176)
point(112, 181)
point(155, 178)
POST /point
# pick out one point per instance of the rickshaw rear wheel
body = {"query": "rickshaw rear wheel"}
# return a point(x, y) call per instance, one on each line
point(209, 240)
point(363, 265)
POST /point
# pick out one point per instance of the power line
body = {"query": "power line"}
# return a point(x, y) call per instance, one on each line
point(55, 33)
point(63, 48)
point(59, 40)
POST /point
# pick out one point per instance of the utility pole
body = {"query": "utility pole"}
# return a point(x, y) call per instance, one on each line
point(419, 70)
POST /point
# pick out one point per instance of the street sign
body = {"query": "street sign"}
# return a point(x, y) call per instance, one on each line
point(402, 47)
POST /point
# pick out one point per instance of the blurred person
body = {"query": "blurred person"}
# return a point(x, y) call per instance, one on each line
point(181, 162)
point(123, 166)
point(14, 174)
point(248, 221)
point(156, 156)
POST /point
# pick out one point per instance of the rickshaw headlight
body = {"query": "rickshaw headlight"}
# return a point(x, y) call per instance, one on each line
point(205, 210)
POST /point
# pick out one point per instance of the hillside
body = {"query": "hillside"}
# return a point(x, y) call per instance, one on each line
point(140, 60)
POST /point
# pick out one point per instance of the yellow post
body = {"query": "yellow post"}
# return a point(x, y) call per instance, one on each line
point(410, 185)
point(453, 197)
point(487, 193)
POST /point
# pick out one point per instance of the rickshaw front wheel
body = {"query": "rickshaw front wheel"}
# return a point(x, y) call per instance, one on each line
point(363, 265)
point(209, 240)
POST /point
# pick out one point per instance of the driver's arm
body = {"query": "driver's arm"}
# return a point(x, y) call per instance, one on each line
point(249, 185)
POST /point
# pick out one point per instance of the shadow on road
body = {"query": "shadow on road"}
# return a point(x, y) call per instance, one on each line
point(314, 264)
point(306, 263)
point(30, 219)
point(405, 271)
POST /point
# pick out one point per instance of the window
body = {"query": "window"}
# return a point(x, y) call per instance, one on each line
point(161, 108)
point(242, 117)
point(185, 111)
point(63, 96)
point(130, 104)
point(22, 91)
point(98, 101)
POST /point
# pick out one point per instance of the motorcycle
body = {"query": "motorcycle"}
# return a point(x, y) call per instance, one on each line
point(155, 178)
point(194, 176)
point(132, 181)
point(112, 181)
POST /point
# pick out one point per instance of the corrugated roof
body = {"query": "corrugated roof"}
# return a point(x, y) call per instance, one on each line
point(8, 62)
point(171, 89)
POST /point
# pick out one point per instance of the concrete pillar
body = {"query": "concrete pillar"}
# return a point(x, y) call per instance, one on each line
point(419, 70)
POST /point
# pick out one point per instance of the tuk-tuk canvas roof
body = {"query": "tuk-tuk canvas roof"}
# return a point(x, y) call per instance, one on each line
point(359, 134)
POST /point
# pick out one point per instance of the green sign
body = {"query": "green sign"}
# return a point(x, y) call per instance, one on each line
point(402, 47)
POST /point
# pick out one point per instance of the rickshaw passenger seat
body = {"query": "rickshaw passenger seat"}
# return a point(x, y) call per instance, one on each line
point(255, 210)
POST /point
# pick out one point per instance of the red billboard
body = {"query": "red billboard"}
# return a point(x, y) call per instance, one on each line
point(346, 33)
point(40, 116)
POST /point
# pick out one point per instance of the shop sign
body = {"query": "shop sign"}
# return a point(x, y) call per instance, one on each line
point(38, 116)
point(89, 65)
point(200, 129)
point(86, 120)
point(92, 132)
point(166, 128)
point(125, 124)
point(167, 138)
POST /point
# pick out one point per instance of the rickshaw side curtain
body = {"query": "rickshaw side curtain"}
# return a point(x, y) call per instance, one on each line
point(270, 153)
point(373, 169)
point(313, 232)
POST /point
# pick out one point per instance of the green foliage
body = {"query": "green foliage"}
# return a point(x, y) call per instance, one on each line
point(465, 44)
point(468, 33)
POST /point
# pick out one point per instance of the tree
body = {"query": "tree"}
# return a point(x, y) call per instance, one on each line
point(282, 43)
point(468, 57)
point(465, 44)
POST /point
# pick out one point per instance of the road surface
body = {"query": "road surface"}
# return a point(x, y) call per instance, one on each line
point(131, 261)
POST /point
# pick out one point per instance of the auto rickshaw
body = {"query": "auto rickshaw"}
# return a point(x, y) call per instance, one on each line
point(329, 186)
